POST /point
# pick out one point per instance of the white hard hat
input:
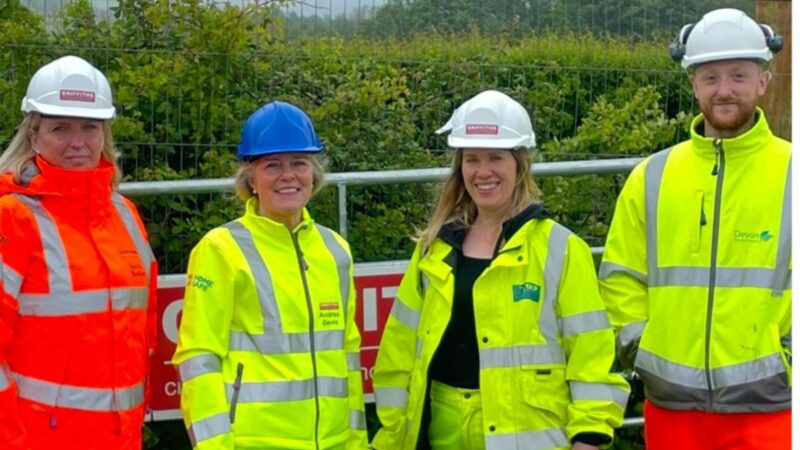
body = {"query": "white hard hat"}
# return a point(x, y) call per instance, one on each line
point(490, 119)
point(69, 87)
point(724, 34)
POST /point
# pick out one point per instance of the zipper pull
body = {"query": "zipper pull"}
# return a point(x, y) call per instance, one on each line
point(718, 149)
point(702, 215)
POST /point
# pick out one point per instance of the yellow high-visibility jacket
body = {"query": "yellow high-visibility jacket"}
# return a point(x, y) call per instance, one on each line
point(268, 349)
point(546, 346)
point(696, 272)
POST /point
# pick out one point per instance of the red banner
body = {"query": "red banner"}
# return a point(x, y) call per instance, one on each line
point(376, 286)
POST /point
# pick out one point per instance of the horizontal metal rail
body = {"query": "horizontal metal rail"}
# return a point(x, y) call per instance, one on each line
point(378, 177)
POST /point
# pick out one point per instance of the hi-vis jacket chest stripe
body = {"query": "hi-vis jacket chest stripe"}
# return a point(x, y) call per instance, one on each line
point(12, 280)
point(274, 340)
point(210, 427)
point(530, 440)
point(556, 248)
point(343, 263)
point(274, 343)
point(692, 378)
point(144, 250)
point(55, 256)
point(518, 355)
point(776, 278)
point(53, 305)
point(288, 391)
point(782, 278)
point(61, 300)
point(85, 398)
point(199, 365)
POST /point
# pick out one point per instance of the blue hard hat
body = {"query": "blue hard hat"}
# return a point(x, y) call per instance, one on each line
point(278, 127)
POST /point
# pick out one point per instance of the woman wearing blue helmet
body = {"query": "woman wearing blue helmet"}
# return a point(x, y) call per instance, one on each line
point(268, 345)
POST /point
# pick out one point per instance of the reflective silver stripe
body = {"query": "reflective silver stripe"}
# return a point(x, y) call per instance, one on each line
point(404, 314)
point(208, 428)
point(726, 277)
point(521, 355)
point(5, 379)
point(607, 269)
point(95, 301)
point(419, 347)
point(782, 276)
point(278, 343)
point(286, 391)
point(653, 175)
point(261, 276)
point(12, 280)
point(391, 397)
point(584, 323)
point(199, 365)
point(529, 440)
point(748, 372)
point(358, 420)
point(691, 377)
point(598, 391)
point(343, 262)
point(85, 398)
point(553, 266)
point(55, 256)
point(128, 219)
point(353, 361)
point(631, 333)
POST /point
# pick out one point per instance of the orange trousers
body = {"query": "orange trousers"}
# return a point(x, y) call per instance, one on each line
point(667, 429)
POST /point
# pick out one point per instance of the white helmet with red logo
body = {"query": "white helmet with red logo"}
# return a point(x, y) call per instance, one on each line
point(490, 119)
point(69, 87)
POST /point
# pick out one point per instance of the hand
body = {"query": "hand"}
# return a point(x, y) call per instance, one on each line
point(582, 446)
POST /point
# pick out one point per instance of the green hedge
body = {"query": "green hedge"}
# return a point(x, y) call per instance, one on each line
point(186, 76)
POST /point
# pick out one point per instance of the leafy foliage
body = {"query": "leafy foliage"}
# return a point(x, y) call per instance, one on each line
point(187, 74)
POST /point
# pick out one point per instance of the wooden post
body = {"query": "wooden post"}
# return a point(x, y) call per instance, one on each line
point(777, 103)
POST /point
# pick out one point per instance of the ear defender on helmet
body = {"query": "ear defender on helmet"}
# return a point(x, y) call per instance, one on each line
point(774, 40)
point(678, 47)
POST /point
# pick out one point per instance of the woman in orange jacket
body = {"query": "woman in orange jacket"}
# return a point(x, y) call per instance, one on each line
point(77, 276)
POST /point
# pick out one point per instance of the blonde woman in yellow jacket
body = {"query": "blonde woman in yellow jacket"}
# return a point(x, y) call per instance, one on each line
point(498, 338)
point(268, 349)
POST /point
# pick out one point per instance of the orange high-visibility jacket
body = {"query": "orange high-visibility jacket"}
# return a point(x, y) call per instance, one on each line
point(77, 311)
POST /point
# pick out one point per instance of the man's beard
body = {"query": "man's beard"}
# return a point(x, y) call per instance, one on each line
point(729, 124)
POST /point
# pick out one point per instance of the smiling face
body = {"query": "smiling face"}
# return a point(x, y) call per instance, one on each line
point(489, 178)
point(71, 143)
point(727, 93)
point(283, 183)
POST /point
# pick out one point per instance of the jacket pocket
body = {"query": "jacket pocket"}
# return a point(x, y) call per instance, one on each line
point(545, 388)
point(237, 384)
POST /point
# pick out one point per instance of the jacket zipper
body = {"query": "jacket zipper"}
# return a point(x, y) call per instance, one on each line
point(719, 172)
point(303, 267)
point(237, 385)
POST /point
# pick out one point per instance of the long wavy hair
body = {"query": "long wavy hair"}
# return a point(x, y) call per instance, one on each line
point(455, 204)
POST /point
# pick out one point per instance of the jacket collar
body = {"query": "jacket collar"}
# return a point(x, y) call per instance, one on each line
point(40, 178)
point(454, 233)
point(747, 143)
point(265, 224)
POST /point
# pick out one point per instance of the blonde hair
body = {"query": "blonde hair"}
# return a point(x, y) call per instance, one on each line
point(455, 204)
point(244, 175)
point(20, 153)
